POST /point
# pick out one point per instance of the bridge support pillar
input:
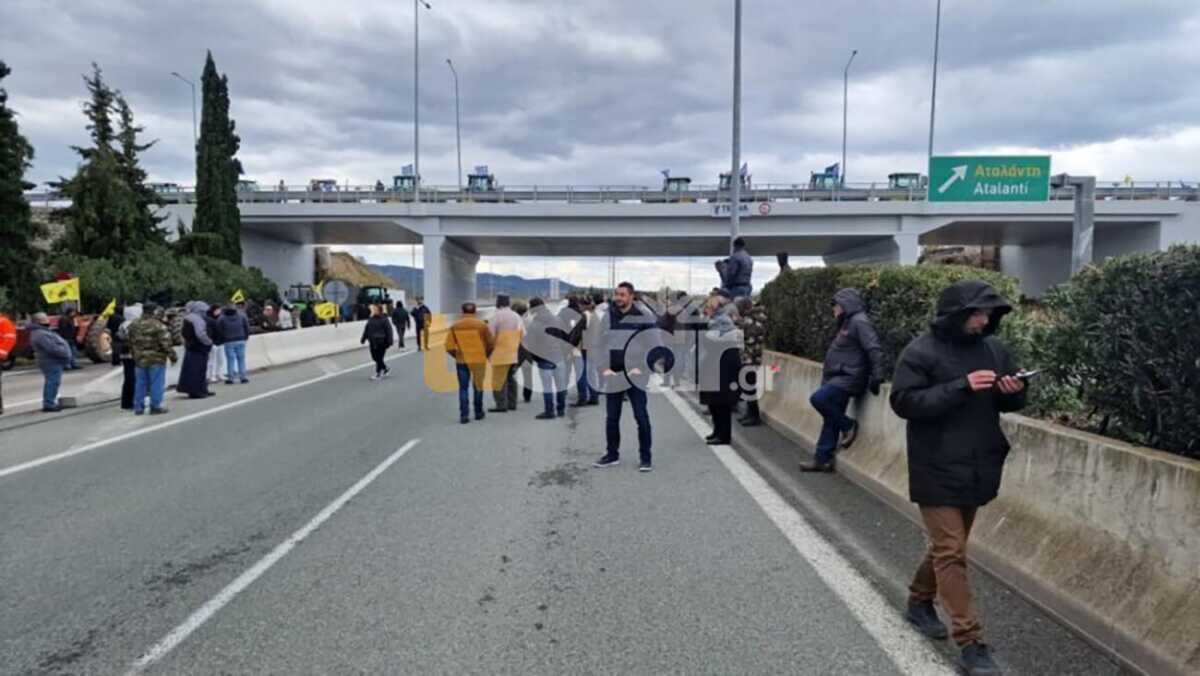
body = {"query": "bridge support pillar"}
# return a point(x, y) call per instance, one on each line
point(899, 249)
point(449, 274)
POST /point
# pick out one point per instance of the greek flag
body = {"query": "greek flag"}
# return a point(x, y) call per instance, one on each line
point(745, 169)
point(832, 170)
point(406, 170)
point(665, 172)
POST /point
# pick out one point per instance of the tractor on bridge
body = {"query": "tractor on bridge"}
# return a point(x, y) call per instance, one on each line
point(725, 184)
point(674, 189)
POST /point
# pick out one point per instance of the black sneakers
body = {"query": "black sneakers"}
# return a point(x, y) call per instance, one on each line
point(849, 436)
point(924, 617)
point(821, 467)
point(545, 415)
point(977, 660)
point(607, 461)
point(645, 466)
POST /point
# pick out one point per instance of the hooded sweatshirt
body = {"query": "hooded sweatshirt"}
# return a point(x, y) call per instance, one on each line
point(132, 314)
point(197, 336)
point(855, 357)
point(233, 325)
point(956, 449)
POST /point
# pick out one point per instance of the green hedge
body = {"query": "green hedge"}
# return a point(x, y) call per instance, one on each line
point(161, 273)
point(1119, 344)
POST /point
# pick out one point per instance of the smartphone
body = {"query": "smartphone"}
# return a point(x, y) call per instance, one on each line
point(1026, 375)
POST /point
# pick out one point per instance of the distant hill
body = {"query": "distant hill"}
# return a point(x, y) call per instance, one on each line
point(486, 284)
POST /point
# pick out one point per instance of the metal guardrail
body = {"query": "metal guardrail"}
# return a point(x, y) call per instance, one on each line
point(616, 194)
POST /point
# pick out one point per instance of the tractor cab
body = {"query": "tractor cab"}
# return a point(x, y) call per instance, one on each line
point(322, 185)
point(823, 180)
point(727, 184)
point(301, 296)
point(247, 186)
point(481, 180)
point(404, 183)
point(906, 181)
point(676, 186)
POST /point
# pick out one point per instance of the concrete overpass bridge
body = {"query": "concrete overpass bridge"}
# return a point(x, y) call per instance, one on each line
point(860, 223)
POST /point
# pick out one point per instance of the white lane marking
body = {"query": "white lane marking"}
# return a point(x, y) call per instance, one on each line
point(182, 419)
point(205, 612)
point(907, 649)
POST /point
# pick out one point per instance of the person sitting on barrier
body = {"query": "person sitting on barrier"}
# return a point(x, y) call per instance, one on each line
point(853, 365)
point(470, 343)
point(951, 384)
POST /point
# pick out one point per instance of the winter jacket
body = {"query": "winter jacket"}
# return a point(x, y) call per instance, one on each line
point(547, 340)
point(67, 328)
point(121, 339)
point(956, 449)
point(151, 342)
point(617, 348)
point(400, 318)
point(113, 326)
point(308, 317)
point(855, 358)
point(213, 326)
point(50, 348)
point(378, 332)
point(738, 270)
point(420, 316)
point(469, 341)
point(233, 325)
point(720, 360)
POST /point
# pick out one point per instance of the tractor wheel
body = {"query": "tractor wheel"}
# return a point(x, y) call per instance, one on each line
point(98, 343)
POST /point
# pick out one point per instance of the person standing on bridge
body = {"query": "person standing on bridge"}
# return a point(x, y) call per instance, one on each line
point(623, 368)
point(951, 384)
point(378, 332)
point(470, 343)
point(506, 330)
point(737, 271)
point(853, 364)
point(401, 321)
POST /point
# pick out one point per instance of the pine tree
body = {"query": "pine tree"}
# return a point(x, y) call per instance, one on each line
point(217, 169)
point(145, 230)
point(19, 260)
point(101, 221)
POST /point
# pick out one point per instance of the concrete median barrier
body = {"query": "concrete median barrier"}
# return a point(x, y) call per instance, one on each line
point(1103, 535)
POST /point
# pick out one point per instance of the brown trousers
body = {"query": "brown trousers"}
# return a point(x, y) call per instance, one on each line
point(943, 572)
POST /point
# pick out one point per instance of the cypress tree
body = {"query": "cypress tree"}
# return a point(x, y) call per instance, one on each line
point(217, 170)
point(19, 260)
point(101, 221)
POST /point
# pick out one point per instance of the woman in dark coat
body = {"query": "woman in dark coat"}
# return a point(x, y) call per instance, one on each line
point(122, 347)
point(378, 332)
point(113, 326)
point(721, 357)
point(193, 375)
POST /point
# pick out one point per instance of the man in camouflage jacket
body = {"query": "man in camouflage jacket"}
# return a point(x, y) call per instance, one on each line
point(752, 320)
point(152, 347)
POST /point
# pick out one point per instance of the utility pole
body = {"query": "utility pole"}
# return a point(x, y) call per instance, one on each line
point(457, 124)
point(195, 133)
point(417, 93)
point(937, 34)
point(735, 175)
point(845, 111)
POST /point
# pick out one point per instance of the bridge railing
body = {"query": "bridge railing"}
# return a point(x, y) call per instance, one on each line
point(594, 194)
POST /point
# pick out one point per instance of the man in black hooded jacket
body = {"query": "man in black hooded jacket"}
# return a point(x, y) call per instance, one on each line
point(951, 384)
point(853, 364)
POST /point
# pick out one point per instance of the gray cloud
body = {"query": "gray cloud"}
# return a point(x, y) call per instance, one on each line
point(557, 92)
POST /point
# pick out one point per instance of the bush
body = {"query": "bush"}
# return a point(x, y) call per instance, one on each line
point(160, 274)
point(901, 301)
point(1126, 335)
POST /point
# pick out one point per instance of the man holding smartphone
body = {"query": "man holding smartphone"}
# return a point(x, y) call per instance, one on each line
point(951, 384)
point(623, 370)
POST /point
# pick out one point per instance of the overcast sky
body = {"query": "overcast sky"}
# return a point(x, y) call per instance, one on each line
point(612, 91)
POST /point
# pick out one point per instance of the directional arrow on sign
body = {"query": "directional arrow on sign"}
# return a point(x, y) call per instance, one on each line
point(959, 174)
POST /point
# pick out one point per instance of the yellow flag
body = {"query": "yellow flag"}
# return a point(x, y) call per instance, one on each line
point(318, 288)
point(110, 308)
point(238, 297)
point(326, 311)
point(57, 292)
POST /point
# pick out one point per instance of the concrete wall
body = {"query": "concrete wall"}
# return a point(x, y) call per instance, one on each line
point(449, 274)
point(1125, 240)
point(1182, 230)
point(1104, 535)
point(901, 249)
point(1037, 266)
point(284, 263)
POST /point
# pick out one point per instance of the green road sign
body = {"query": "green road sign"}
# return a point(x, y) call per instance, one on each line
point(993, 178)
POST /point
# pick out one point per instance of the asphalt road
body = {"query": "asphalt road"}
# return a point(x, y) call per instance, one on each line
point(317, 522)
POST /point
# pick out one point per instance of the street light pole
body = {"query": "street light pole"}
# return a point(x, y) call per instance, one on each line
point(845, 110)
point(195, 134)
point(417, 93)
point(457, 124)
point(735, 175)
point(937, 33)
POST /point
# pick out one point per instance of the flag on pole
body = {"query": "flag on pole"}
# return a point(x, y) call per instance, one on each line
point(326, 310)
point(238, 297)
point(109, 309)
point(665, 172)
point(320, 285)
point(57, 292)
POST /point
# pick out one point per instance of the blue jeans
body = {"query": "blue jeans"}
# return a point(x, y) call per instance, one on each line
point(470, 376)
point(739, 291)
point(555, 379)
point(831, 402)
point(235, 360)
point(612, 421)
point(53, 374)
point(154, 379)
point(73, 360)
point(582, 387)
